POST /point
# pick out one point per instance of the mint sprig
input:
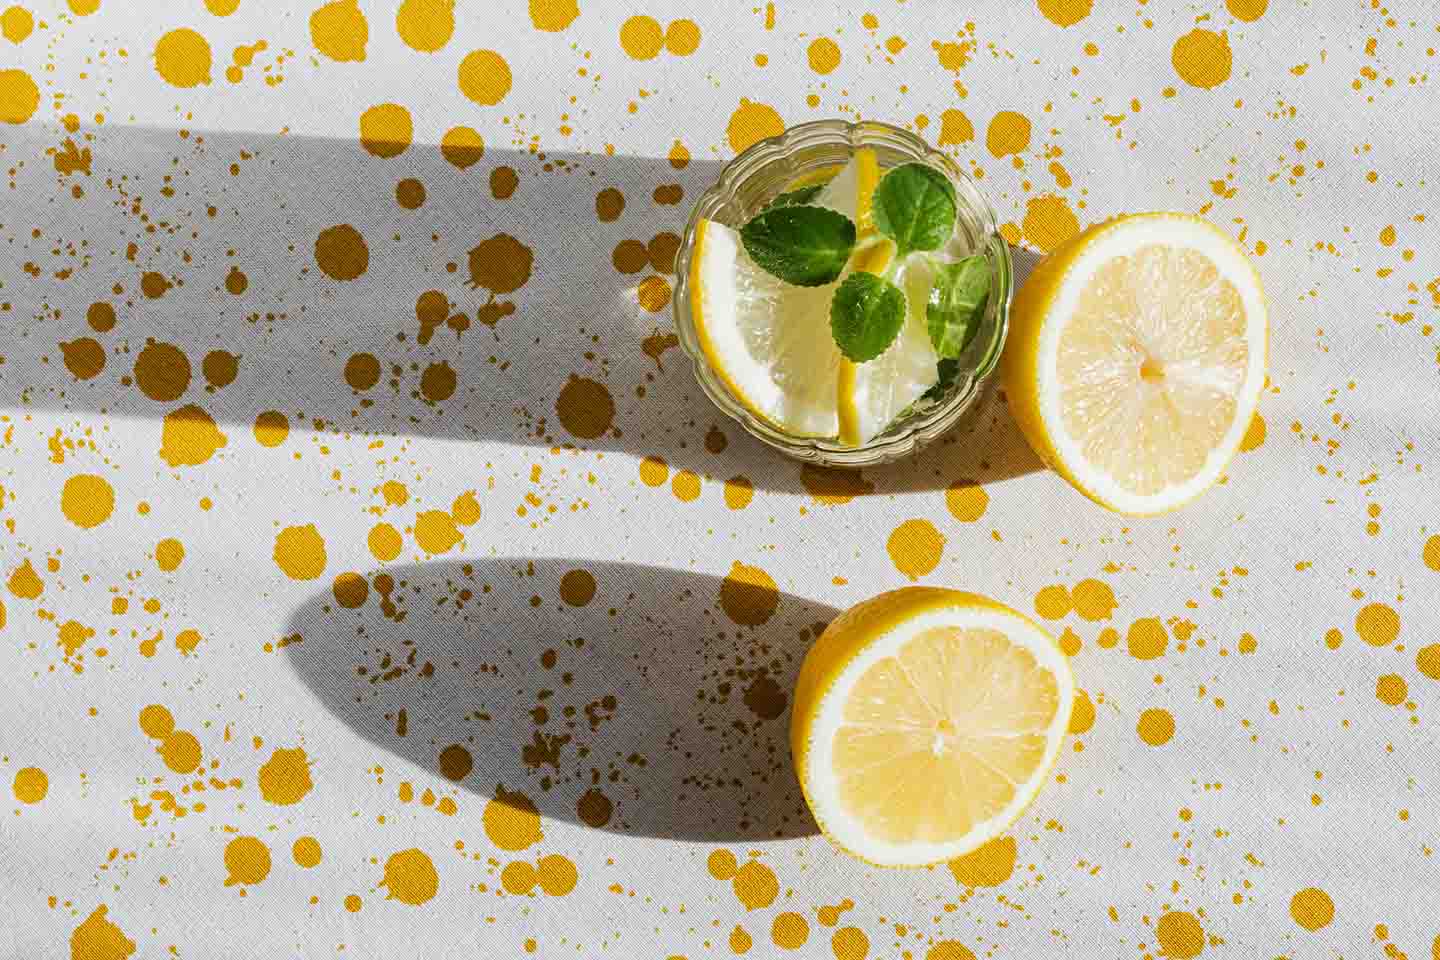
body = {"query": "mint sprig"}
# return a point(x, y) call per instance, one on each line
point(914, 205)
point(956, 304)
point(804, 245)
point(866, 315)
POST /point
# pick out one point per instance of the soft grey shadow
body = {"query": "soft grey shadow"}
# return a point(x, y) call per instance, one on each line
point(193, 210)
point(645, 710)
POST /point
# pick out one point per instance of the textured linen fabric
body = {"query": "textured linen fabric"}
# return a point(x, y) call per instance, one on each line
point(378, 582)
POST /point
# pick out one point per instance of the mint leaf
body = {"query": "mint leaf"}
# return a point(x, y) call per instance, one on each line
point(866, 314)
point(795, 198)
point(914, 205)
point(803, 245)
point(957, 302)
point(947, 370)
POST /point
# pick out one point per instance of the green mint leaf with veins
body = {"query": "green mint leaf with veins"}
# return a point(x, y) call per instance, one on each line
point(957, 303)
point(914, 205)
point(866, 315)
point(803, 245)
point(795, 198)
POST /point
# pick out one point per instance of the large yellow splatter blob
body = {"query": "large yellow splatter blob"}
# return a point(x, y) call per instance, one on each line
point(824, 55)
point(988, 866)
point(339, 30)
point(462, 146)
point(1247, 10)
point(341, 252)
point(1147, 638)
point(410, 877)
point(271, 428)
point(484, 77)
point(1156, 726)
point(19, 97)
point(285, 777)
point(556, 874)
point(552, 16)
point(300, 552)
point(31, 784)
point(955, 128)
point(752, 122)
point(748, 595)
point(386, 130)
point(1180, 935)
point(1202, 58)
point(755, 885)
point(425, 25)
point(435, 531)
point(306, 851)
point(182, 58)
point(87, 500)
point(247, 861)
point(789, 930)
point(156, 721)
point(511, 821)
point(180, 751)
point(1053, 602)
point(1049, 222)
point(641, 37)
point(99, 939)
point(1094, 600)
point(682, 37)
point(1008, 133)
point(384, 542)
point(16, 23)
point(1065, 13)
point(1378, 624)
point(189, 437)
point(1312, 908)
point(915, 547)
point(25, 583)
point(222, 8)
point(83, 8)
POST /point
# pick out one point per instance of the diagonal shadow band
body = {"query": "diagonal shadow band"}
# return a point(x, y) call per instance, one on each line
point(613, 695)
point(211, 243)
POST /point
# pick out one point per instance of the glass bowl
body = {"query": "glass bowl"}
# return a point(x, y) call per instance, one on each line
point(765, 170)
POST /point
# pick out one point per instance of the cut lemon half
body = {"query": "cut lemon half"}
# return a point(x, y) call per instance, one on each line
point(768, 341)
point(1136, 358)
point(924, 722)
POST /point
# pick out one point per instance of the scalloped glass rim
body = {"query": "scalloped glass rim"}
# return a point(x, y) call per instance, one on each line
point(760, 172)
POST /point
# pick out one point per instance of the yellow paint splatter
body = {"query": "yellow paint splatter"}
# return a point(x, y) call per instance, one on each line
point(25, 583)
point(30, 785)
point(752, 122)
point(755, 885)
point(552, 16)
point(966, 500)
point(949, 950)
point(426, 25)
point(850, 943)
point(271, 428)
point(182, 58)
point(915, 547)
point(1247, 10)
point(484, 77)
point(384, 542)
point(748, 595)
point(1156, 726)
point(738, 492)
point(156, 721)
point(1312, 908)
point(16, 23)
point(1180, 935)
point(189, 437)
point(285, 777)
point(1049, 222)
point(247, 861)
point(654, 471)
point(19, 97)
point(84, 357)
point(511, 821)
point(341, 252)
point(339, 31)
point(1008, 133)
point(462, 147)
point(682, 37)
point(1202, 58)
point(1053, 602)
point(466, 509)
point(824, 55)
point(1065, 13)
point(1147, 638)
point(1094, 600)
point(577, 587)
point(300, 552)
point(222, 8)
point(410, 877)
point(987, 866)
point(721, 864)
point(1427, 661)
point(386, 130)
point(740, 940)
point(435, 532)
point(789, 931)
point(685, 486)
point(1391, 689)
point(307, 852)
point(97, 938)
point(186, 641)
point(955, 128)
point(1378, 624)
point(518, 878)
point(87, 500)
point(556, 874)
point(83, 8)
point(585, 407)
point(641, 37)
point(180, 751)
point(1082, 715)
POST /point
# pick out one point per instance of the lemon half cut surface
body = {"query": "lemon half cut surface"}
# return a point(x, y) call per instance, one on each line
point(1136, 359)
point(925, 720)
